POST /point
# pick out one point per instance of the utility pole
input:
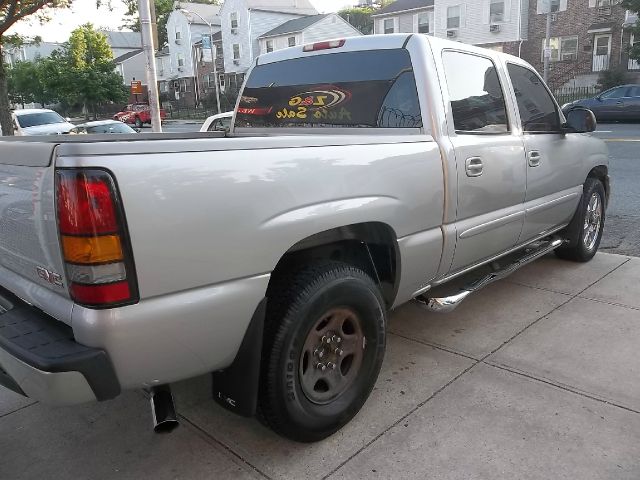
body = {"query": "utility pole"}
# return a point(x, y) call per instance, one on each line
point(214, 54)
point(547, 43)
point(146, 29)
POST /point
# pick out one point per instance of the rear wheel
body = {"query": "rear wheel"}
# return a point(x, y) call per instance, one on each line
point(585, 230)
point(139, 122)
point(323, 348)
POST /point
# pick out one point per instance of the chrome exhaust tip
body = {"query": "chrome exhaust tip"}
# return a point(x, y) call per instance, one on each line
point(163, 410)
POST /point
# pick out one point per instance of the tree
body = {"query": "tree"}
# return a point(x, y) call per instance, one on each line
point(89, 77)
point(360, 18)
point(12, 11)
point(634, 6)
point(163, 10)
point(612, 78)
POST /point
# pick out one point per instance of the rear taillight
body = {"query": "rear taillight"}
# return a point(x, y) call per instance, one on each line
point(94, 239)
point(313, 47)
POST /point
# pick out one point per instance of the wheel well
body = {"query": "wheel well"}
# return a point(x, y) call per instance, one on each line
point(601, 172)
point(373, 247)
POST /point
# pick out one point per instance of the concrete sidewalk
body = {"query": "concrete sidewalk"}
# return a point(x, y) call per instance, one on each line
point(534, 378)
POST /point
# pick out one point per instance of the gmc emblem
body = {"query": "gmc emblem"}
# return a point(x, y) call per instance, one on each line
point(49, 277)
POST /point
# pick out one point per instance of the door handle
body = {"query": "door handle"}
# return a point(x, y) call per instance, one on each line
point(534, 158)
point(473, 166)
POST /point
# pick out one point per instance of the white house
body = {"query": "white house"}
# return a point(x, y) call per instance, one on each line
point(28, 52)
point(132, 66)
point(405, 16)
point(179, 64)
point(497, 24)
point(123, 42)
point(245, 21)
point(304, 30)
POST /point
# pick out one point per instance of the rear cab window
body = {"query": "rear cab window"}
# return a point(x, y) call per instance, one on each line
point(364, 89)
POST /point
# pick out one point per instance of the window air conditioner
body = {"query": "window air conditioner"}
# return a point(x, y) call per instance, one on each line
point(178, 41)
point(494, 28)
point(452, 33)
point(234, 31)
point(236, 62)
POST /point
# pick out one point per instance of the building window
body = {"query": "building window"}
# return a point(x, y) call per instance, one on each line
point(423, 22)
point(180, 57)
point(292, 41)
point(236, 51)
point(269, 46)
point(389, 25)
point(178, 35)
point(555, 5)
point(234, 19)
point(562, 48)
point(453, 16)
point(164, 87)
point(496, 11)
point(221, 80)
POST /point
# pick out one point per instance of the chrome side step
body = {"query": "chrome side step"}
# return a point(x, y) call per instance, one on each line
point(447, 304)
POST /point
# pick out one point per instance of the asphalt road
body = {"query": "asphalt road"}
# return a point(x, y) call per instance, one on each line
point(622, 232)
point(622, 229)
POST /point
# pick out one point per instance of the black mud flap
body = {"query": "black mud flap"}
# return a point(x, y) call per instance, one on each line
point(236, 387)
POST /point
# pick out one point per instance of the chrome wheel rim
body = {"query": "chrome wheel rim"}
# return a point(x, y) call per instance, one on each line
point(332, 355)
point(592, 222)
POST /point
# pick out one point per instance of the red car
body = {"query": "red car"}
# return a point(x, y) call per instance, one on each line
point(137, 114)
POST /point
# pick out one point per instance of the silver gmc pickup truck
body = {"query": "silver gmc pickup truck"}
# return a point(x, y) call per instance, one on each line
point(359, 174)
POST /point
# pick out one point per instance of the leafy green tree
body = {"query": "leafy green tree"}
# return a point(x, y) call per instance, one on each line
point(12, 11)
point(90, 77)
point(163, 10)
point(634, 6)
point(360, 18)
point(612, 78)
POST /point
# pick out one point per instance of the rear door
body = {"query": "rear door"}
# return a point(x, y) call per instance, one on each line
point(632, 103)
point(553, 157)
point(490, 161)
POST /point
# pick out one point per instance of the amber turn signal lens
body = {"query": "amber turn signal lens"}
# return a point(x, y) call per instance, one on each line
point(88, 250)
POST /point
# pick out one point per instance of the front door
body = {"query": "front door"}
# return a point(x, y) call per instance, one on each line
point(491, 172)
point(601, 52)
point(553, 157)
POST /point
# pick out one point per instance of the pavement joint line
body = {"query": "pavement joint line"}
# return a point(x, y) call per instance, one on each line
point(400, 420)
point(17, 410)
point(561, 386)
point(437, 346)
point(613, 304)
point(465, 371)
point(613, 140)
point(514, 282)
point(230, 450)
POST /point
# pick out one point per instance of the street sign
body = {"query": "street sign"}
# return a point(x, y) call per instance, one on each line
point(545, 6)
point(547, 52)
point(206, 41)
point(136, 87)
point(207, 48)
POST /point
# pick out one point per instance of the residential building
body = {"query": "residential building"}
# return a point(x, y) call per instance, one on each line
point(405, 16)
point(244, 22)
point(122, 43)
point(304, 30)
point(495, 24)
point(28, 52)
point(186, 27)
point(587, 37)
point(132, 66)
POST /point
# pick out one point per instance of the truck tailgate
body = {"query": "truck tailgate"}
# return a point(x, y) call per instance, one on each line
point(29, 244)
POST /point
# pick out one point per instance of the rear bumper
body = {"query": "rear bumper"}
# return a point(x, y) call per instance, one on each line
point(39, 358)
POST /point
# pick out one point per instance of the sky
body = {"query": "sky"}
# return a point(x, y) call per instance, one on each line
point(84, 11)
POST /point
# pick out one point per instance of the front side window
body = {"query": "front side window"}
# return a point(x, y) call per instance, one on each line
point(292, 41)
point(538, 112)
point(423, 22)
point(496, 11)
point(234, 19)
point(236, 51)
point(389, 25)
point(477, 100)
point(619, 92)
point(453, 16)
point(364, 89)
point(269, 45)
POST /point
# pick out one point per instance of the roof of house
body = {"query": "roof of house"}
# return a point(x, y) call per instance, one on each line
point(127, 56)
point(294, 25)
point(211, 13)
point(299, 7)
point(124, 39)
point(402, 5)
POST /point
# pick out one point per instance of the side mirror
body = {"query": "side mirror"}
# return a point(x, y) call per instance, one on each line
point(67, 119)
point(580, 120)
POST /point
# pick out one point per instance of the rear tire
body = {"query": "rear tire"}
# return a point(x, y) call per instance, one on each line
point(323, 348)
point(139, 123)
point(584, 233)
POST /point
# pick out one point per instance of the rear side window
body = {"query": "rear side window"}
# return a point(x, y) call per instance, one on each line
point(537, 109)
point(374, 89)
point(476, 96)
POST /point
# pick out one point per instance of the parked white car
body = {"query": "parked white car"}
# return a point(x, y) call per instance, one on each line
point(39, 121)
point(217, 123)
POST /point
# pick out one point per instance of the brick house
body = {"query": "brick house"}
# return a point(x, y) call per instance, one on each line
point(587, 37)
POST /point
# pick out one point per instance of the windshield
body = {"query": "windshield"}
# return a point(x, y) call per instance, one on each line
point(375, 89)
point(106, 128)
point(41, 118)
